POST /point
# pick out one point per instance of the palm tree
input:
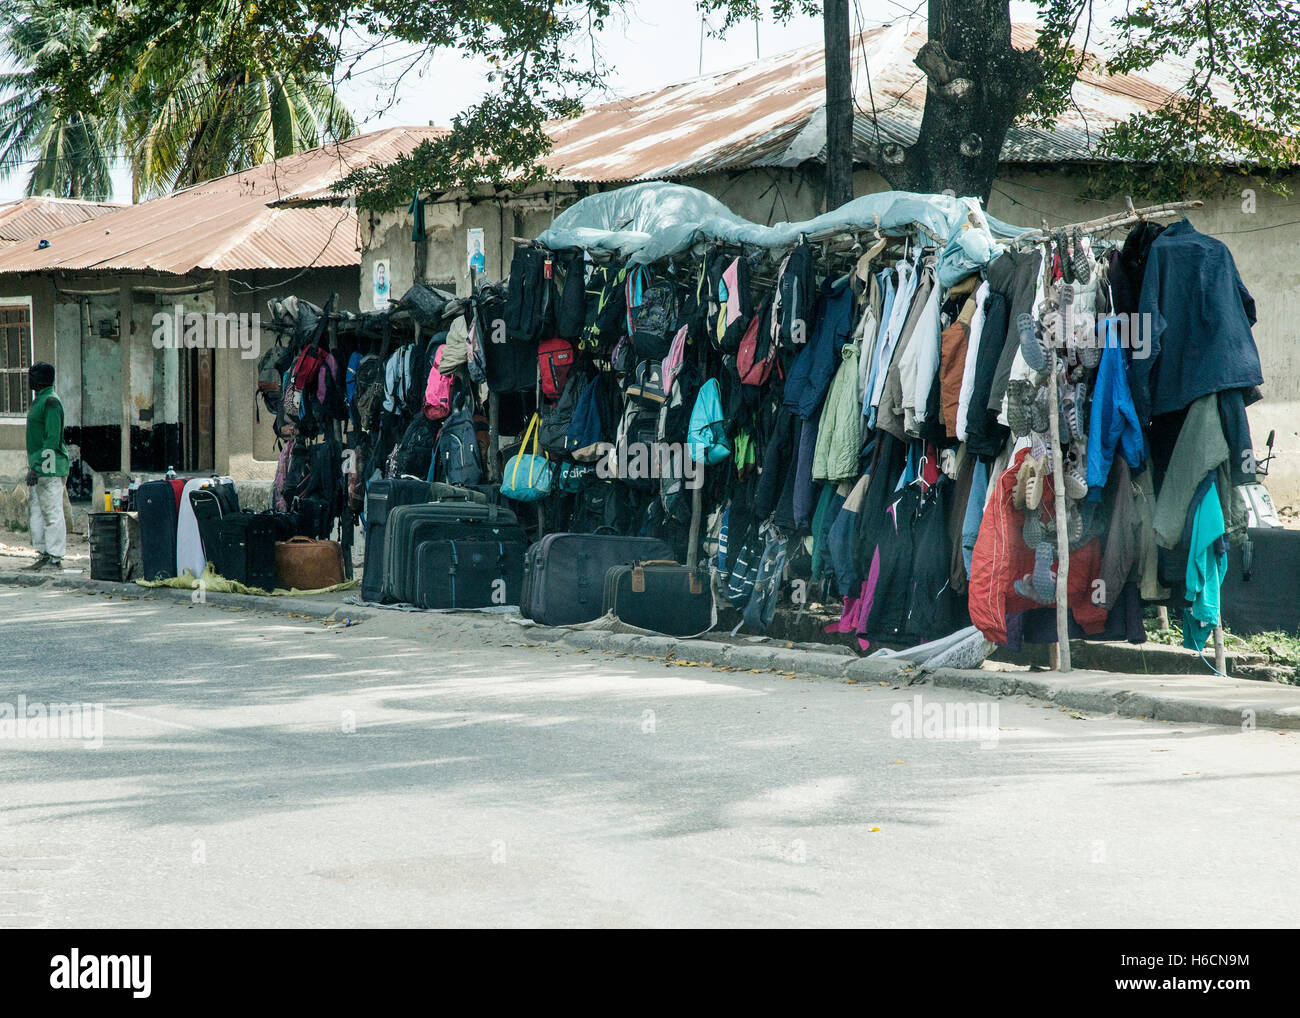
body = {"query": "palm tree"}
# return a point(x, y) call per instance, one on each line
point(70, 153)
point(176, 119)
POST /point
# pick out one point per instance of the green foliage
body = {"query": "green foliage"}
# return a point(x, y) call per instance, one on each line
point(182, 105)
point(1232, 106)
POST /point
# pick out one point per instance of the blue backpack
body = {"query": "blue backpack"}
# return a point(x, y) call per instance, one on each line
point(707, 438)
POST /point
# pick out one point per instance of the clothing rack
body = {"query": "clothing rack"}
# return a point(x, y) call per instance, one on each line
point(1113, 222)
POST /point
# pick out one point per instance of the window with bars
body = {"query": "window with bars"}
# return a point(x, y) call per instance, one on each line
point(15, 358)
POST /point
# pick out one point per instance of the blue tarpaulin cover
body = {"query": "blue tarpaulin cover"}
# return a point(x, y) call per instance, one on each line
point(656, 219)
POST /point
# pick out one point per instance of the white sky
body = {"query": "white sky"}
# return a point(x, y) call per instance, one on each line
point(657, 42)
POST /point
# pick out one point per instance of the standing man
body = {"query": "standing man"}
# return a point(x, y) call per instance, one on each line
point(47, 469)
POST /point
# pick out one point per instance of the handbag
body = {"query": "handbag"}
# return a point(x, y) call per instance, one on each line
point(528, 476)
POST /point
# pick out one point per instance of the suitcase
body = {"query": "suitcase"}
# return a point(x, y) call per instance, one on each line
point(469, 573)
point(564, 574)
point(156, 502)
point(381, 498)
point(245, 549)
point(302, 563)
point(449, 519)
point(664, 597)
point(114, 546)
point(211, 505)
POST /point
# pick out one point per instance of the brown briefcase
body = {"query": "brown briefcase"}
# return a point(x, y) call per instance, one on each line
point(304, 564)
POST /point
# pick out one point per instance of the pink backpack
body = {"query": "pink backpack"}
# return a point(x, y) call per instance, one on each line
point(437, 394)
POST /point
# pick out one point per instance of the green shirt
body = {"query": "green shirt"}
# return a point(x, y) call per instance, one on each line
point(46, 453)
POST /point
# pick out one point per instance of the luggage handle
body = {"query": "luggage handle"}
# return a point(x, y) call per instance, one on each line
point(299, 539)
point(638, 574)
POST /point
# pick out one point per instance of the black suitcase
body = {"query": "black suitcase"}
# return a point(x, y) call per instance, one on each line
point(245, 549)
point(156, 505)
point(664, 597)
point(564, 574)
point(468, 574)
point(449, 519)
point(381, 498)
point(211, 504)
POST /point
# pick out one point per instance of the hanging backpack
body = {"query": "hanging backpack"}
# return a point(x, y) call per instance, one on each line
point(761, 608)
point(635, 444)
point(672, 362)
point(707, 439)
point(438, 391)
point(271, 366)
point(413, 455)
point(757, 350)
point(735, 307)
point(555, 359)
point(553, 432)
point(307, 366)
point(586, 431)
point(368, 393)
point(647, 385)
point(655, 320)
point(606, 307)
point(456, 457)
point(795, 302)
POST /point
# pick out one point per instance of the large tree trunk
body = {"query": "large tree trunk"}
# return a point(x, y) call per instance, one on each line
point(975, 84)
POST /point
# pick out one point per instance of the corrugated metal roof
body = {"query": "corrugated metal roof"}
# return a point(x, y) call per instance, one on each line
point(771, 113)
point(34, 217)
point(232, 222)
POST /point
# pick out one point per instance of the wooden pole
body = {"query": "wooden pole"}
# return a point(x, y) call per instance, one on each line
point(1111, 222)
point(1220, 662)
point(839, 103)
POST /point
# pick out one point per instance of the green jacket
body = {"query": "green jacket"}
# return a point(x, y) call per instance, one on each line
point(45, 435)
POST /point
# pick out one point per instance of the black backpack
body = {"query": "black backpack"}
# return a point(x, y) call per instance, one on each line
point(553, 436)
point(796, 296)
point(654, 323)
point(414, 453)
point(606, 308)
point(530, 299)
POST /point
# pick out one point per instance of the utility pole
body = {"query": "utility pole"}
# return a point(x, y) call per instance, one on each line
point(839, 104)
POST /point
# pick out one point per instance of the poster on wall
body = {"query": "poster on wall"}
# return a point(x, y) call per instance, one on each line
point(380, 276)
point(474, 249)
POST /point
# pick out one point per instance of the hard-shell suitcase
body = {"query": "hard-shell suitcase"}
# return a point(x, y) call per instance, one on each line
point(664, 597)
point(381, 498)
point(211, 504)
point(245, 549)
point(564, 574)
point(156, 504)
point(468, 574)
point(448, 519)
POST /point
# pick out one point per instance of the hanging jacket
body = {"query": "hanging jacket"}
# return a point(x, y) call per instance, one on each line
point(974, 341)
point(1112, 418)
point(839, 433)
point(1200, 448)
point(810, 374)
point(889, 412)
point(1201, 314)
point(876, 345)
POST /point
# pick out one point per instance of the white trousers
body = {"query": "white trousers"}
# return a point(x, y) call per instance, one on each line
point(45, 516)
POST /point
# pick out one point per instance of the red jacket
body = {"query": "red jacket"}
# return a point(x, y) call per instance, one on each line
point(1001, 557)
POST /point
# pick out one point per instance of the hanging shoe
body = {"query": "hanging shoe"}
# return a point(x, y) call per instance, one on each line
point(1079, 260)
point(1020, 416)
point(1034, 483)
point(1044, 579)
point(1042, 421)
point(1032, 347)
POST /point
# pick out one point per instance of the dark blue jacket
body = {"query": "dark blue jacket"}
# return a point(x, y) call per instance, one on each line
point(816, 363)
point(1200, 316)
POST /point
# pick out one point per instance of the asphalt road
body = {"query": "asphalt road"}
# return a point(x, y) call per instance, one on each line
point(430, 770)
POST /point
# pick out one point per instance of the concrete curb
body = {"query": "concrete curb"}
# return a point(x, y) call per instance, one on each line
point(274, 605)
point(1236, 703)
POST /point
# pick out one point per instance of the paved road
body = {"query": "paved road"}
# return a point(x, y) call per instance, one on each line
point(420, 770)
